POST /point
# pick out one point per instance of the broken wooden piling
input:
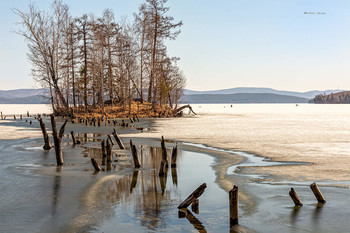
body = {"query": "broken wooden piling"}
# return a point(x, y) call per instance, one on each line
point(75, 142)
point(104, 152)
point(193, 196)
point(295, 197)
point(317, 193)
point(47, 145)
point(95, 164)
point(57, 138)
point(109, 151)
point(110, 139)
point(117, 139)
point(195, 206)
point(135, 155)
point(233, 197)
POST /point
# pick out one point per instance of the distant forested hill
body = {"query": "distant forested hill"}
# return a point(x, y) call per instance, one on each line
point(337, 98)
point(242, 98)
point(36, 99)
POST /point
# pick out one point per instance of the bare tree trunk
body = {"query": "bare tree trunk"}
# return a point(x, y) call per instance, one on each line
point(47, 145)
point(57, 138)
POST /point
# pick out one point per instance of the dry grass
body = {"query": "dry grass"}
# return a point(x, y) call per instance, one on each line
point(142, 110)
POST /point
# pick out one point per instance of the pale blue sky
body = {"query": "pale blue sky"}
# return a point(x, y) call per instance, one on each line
point(225, 43)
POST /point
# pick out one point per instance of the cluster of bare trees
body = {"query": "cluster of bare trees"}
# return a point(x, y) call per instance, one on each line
point(94, 61)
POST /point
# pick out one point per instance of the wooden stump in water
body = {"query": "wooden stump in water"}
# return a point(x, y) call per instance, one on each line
point(191, 198)
point(135, 155)
point(1, 116)
point(110, 139)
point(117, 139)
point(30, 122)
point(21, 117)
point(109, 152)
point(95, 164)
point(14, 117)
point(317, 193)
point(233, 195)
point(174, 157)
point(57, 138)
point(104, 152)
point(47, 145)
point(75, 142)
point(295, 197)
point(27, 113)
point(164, 152)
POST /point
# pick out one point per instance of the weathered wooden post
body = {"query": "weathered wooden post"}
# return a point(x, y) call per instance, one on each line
point(14, 117)
point(317, 193)
point(109, 152)
point(233, 195)
point(164, 153)
point(110, 139)
point(135, 155)
point(1, 115)
point(95, 164)
point(21, 117)
point(47, 145)
point(75, 142)
point(117, 139)
point(123, 123)
point(57, 138)
point(295, 197)
point(27, 113)
point(193, 196)
point(104, 152)
point(30, 122)
point(183, 213)
point(174, 157)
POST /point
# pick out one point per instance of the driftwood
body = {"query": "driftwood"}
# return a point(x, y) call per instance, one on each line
point(295, 197)
point(174, 157)
point(164, 152)
point(47, 145)
point(117, 139)
point(178, 110)
point(95, 164)
point(317, 193)
point(135, 155)
point(233, 195)
point(57, 138)
point(191, 198)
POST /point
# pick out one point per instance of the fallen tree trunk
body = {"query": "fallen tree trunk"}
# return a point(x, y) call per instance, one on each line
point(178, 110)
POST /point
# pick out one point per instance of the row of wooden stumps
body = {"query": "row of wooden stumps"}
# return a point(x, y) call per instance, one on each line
point(107, 156)
point(317, 192)
point(14, 116)
point(99, 121)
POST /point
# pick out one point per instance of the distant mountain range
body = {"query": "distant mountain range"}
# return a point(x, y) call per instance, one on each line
point(306, 95)
point(251, 95)
point(232, 95)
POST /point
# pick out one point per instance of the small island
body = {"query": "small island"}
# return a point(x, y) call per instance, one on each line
point(337, 98)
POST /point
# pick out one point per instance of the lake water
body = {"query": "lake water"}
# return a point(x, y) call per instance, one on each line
point(305, 143)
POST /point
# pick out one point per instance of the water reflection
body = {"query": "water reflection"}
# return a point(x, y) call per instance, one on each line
point(56, 190)
point(145, 190)
point(294, 214)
